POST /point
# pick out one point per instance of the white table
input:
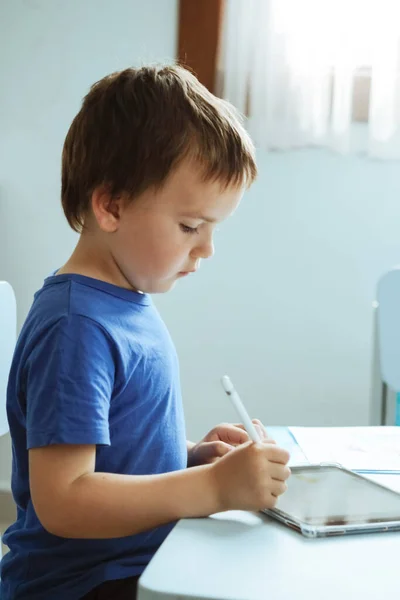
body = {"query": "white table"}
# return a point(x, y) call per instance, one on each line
point(247, 556)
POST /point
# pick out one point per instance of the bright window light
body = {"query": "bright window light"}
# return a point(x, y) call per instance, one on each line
point(336, 32)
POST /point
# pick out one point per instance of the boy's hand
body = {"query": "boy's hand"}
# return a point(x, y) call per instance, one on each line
point(251, 477)
point(221, 440)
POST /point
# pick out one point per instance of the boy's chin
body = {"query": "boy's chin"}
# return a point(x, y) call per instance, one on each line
point(161, 287)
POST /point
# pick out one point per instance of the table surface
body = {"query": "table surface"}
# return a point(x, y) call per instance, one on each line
point(241, 555)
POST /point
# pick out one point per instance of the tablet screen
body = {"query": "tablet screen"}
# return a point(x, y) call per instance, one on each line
point(330, 496)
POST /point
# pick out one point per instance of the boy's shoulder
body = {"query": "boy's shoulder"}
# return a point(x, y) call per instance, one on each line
point(70, 295)
point(71, 312)
point(76, 306)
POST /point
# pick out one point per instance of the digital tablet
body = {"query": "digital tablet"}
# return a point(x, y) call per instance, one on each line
point(323, 500)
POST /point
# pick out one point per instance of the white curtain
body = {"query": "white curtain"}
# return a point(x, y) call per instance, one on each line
point(290, 66)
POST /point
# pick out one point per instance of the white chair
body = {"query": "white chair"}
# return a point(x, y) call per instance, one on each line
point(8, 328)
point(385, 406)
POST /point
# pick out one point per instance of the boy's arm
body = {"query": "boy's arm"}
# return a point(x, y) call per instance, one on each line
point(73, 501)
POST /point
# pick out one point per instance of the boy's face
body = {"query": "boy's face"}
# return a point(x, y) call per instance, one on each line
point(162, 236)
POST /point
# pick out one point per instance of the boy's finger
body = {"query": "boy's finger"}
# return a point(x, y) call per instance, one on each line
point(277, 454)
point(209, 452)
point(262, 432)
point(219, 449)
point(261, 429)
point(234, 434)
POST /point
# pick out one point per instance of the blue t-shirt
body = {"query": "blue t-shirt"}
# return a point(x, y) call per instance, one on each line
point(94, 364)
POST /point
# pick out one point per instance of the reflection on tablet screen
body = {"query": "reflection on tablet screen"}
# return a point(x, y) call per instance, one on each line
point(331, 496)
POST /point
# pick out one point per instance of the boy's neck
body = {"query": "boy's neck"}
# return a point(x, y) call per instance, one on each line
point(92, 260)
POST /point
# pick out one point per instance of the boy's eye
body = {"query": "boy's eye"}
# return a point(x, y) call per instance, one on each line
point(187, 229)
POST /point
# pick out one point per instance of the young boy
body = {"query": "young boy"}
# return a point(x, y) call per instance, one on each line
point(151, 163)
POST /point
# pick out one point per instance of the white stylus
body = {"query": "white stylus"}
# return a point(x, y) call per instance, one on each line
point(242, 412)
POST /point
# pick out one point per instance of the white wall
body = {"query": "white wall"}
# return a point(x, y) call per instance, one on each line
point(51, 51)
point(285, 305)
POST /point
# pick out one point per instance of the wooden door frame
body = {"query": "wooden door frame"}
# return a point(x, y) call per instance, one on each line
point(199, 37)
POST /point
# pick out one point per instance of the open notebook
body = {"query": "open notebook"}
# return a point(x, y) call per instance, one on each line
point(363, 449)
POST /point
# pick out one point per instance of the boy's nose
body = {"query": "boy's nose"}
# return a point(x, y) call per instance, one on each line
point(205, 250)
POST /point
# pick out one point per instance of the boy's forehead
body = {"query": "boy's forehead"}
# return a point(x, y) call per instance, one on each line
point(208, 203)
point(200, 197)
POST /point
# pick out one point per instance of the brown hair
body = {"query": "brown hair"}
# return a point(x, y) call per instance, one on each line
point(136, 125)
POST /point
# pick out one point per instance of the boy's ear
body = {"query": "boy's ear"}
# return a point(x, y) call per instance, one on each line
point(106, 209)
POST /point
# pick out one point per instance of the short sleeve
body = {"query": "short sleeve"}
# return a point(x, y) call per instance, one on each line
point(69, 380)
